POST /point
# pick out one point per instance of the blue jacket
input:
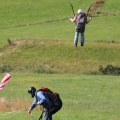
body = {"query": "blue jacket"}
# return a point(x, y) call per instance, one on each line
point(41, 99)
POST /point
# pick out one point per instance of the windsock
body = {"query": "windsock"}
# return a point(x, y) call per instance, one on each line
point(5, 79)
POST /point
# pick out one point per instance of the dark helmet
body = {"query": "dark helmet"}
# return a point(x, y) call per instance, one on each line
point(32, 91)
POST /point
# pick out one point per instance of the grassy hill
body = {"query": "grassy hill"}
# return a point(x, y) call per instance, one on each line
point(41, 41)
point(49, 35)
point(56, 56)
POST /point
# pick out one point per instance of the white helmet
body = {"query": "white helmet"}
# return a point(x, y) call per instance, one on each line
point(80, 11)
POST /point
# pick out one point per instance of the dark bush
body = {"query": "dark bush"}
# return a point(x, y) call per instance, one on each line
point(5, 68)
point(109, 70)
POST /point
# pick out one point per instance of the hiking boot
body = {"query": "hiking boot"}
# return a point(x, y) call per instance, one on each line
point(82, 44)
point(75, 45)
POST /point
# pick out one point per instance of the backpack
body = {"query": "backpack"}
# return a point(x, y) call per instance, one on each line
point(81, 18)
point(53, 97)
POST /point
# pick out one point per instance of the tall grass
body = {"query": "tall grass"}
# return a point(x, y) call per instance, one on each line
point(50, 56)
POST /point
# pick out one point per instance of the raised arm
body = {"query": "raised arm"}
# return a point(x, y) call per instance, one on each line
point(72, 19)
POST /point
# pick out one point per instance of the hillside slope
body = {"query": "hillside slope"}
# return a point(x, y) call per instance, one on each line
point(49, 36)
point(50, 56)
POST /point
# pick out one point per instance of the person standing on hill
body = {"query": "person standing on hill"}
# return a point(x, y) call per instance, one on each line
point(81, 20)
point(49, 100)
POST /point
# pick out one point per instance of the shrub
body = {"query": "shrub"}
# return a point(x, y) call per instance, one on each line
point(5, 68)
point(109, 70)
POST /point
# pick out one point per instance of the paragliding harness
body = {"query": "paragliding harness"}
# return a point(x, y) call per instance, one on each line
point(81, 21)
point(54, 98)
point(81, 18)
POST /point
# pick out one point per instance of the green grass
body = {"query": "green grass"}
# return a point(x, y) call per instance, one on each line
point(112, 6)
point(14, 14)
point(84, 96)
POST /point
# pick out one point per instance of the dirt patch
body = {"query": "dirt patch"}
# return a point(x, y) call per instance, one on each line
point(95, 6)
point(12, 42)
point(15, 105)
point(18, 42)
point(1, 53)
